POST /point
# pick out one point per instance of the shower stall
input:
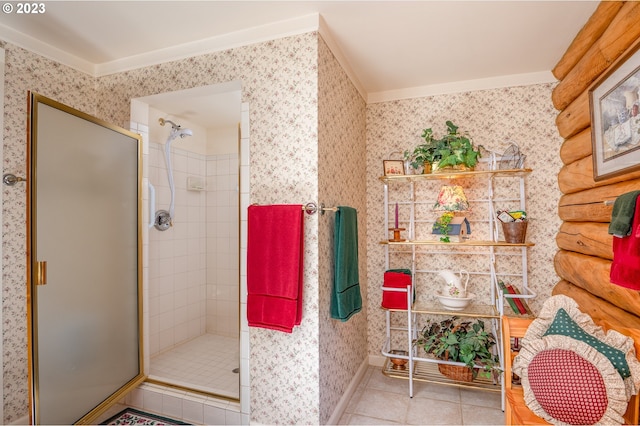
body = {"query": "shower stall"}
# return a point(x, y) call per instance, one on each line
point(193, 272)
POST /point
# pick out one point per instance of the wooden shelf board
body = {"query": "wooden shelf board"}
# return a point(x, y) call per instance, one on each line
point(455, 175)
point(471, 243)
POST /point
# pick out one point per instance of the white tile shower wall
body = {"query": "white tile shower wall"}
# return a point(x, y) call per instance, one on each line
point(194, 406)
point(223, 245)
point(185, 406)
point(177, 256)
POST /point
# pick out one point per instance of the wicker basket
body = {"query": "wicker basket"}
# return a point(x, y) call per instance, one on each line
point(459, 373)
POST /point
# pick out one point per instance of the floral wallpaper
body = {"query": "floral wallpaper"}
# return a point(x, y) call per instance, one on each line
point(493, 118)
point(25, 71)
point(341, 182)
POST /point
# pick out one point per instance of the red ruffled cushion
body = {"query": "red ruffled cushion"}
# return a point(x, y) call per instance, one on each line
point(568, 387)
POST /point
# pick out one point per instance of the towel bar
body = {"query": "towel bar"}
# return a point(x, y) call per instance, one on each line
point(312, 208)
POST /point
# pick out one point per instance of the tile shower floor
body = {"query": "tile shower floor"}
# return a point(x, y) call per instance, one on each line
point(205, 363)
point(381, 400)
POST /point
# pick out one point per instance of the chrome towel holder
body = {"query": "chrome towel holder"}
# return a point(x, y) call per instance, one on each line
point(312, 208)
point(10, 179)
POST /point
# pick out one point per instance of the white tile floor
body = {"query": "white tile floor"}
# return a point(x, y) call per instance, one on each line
point(205, 363)
point(382, 400)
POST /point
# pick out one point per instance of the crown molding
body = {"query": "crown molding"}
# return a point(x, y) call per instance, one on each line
point(258, 34)
point(46, 50)
point(513, 80)
point(245, 37)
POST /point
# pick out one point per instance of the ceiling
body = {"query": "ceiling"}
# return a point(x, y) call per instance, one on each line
point(390, 49)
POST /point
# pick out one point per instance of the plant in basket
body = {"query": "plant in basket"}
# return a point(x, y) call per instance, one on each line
point(466, 342)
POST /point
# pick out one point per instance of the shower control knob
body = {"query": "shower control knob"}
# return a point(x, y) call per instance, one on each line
point(163, 220)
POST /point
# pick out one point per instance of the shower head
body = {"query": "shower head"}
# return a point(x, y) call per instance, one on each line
point(183, 133)
point(176, 130)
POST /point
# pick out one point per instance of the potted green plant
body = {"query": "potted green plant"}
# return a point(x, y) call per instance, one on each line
point(425, 154)
point(467, 342)
point(453, 150)
point(457, 149)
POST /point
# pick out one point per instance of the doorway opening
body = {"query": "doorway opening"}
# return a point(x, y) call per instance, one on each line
point(192, 267)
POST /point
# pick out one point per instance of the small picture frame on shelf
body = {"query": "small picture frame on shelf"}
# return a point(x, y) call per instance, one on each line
point(393, 167)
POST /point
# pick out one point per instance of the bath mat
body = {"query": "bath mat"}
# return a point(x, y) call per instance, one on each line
point(131, 416)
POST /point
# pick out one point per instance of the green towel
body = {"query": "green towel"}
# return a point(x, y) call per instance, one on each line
point(622, 214)
point(345, 295)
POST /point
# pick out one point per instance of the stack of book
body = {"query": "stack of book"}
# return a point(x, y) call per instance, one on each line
point(518, 304)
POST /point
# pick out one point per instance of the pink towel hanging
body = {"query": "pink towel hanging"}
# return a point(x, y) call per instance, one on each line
point(275, 247)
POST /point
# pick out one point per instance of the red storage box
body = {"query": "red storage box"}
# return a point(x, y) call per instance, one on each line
point(398, 278)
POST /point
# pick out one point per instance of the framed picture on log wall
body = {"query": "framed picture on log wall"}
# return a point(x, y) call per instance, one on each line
point(614, 101)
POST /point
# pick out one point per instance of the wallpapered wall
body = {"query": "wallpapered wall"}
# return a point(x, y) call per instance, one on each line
point(25, 71)
point(341, 181)
point(524, 115)
point(280, 82)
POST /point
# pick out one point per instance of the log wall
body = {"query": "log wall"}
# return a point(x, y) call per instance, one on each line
point(584, 258)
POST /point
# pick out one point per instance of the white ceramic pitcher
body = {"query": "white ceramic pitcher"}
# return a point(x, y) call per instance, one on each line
point(454, 286)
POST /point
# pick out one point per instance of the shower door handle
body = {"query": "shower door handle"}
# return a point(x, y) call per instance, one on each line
point(41, 273)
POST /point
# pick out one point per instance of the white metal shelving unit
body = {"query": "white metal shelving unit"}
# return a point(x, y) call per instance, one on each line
point(423, 368)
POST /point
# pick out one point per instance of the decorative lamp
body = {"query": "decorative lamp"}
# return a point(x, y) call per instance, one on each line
point(451, 200)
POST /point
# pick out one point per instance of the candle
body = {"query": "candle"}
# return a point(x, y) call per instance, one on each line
point(396, 215)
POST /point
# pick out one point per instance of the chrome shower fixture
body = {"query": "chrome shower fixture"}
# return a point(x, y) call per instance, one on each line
point(162, 122)
point(176, 129)
point(164, 218)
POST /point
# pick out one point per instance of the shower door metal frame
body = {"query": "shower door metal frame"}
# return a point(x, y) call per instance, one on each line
point(36, 271)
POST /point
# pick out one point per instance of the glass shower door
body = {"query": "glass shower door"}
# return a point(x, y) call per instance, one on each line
point(85, 258)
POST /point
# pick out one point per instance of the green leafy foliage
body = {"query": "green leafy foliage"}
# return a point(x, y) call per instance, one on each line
point(442, 225)
point(450, 150)
point(465, 342)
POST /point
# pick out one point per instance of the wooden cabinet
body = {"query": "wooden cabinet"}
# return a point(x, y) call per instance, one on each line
point(483, 254)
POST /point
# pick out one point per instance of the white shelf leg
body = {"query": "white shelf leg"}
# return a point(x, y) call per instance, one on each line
point(409, 337)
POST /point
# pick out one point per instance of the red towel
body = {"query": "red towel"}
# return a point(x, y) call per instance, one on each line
point(395, 299)
point(275, 246)
point(625, 268)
